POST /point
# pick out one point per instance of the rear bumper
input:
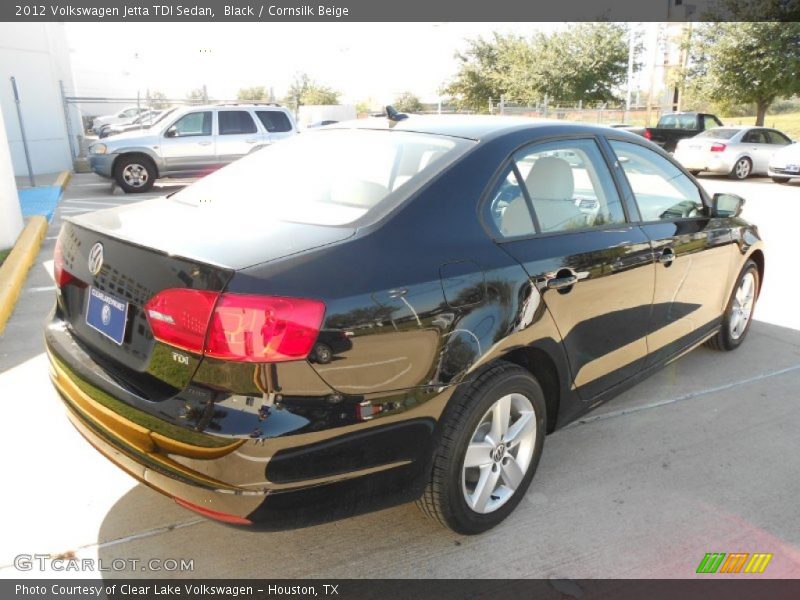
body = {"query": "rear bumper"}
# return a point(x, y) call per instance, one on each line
point(284, 482)
point(708, 162)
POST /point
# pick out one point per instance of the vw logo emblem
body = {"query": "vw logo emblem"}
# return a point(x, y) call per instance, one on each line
point(499, 452)
point(105, 314)
point(96, 258)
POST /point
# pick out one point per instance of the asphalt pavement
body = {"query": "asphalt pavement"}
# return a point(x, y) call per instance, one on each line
point(702, 457)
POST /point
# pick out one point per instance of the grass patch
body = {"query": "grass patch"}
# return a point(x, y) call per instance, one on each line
point(788, 123)
point(4, 255)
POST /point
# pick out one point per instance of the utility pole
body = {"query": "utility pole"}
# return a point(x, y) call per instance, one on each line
point(631, 49)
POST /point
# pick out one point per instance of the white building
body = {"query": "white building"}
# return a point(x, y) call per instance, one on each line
point(37, 56)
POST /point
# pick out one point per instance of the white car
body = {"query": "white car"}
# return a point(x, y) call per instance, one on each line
point(126, 114)
point(734, 151)
point(785, 164)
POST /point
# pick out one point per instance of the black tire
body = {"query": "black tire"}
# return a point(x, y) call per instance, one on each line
point(724, 340)
point(323, 353)
point(742, 169)
point(781, 179)
point(443, 499)
point(125, 173)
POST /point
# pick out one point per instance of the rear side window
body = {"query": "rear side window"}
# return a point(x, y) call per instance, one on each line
point(197, 123)
point(274, 121)
point(661, 189)
point(710, 121)
point(232, 122)
point(567, 185)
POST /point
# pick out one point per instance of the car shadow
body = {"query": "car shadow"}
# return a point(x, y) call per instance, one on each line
point(596, 480)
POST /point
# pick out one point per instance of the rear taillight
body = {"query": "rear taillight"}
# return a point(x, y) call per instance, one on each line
point(236, 327)
point(648, 135)
point(263, 328)
point(61, 276)
point(717, 147)
point(180, 317)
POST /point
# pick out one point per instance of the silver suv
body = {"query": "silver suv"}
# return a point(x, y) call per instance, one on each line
point(192, 142)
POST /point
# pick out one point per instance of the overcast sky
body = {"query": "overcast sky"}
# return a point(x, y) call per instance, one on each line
point(361, 60)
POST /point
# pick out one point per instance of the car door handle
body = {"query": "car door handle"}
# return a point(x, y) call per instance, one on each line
point(667, 256)
point(250, 141)
point(204, 143)
point(561, 283)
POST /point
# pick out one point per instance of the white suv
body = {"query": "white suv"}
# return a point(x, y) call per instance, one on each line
point(192, 142)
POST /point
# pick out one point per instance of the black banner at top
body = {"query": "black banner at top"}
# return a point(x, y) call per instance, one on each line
point(399, 11)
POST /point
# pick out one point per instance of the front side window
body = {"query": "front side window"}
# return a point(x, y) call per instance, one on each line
point(662, 190)
point(196, 123)
point(234, 122)
point(777, 138)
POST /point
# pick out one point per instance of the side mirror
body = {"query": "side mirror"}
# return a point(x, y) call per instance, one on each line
point(726, 205)
point(172, 132)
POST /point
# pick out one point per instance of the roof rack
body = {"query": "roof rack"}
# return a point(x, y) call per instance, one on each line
point(247, 103)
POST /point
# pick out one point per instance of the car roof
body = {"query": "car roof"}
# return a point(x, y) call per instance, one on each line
point(472, 127)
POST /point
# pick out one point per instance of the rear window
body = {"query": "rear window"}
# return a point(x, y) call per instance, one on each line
point(332, 177)
point(274, 121)
point(720, 133)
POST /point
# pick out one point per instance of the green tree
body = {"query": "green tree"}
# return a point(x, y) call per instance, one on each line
point(157, 100)
point(305, 91)
point(587, 62)
point(407, 102)
point(755, 63)
point(256, 93)
point(197, 96)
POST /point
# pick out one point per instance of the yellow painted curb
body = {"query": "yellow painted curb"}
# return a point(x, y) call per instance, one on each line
point(15, 268)
point(63, 179)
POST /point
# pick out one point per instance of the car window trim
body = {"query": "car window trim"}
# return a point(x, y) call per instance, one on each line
point(494, 180)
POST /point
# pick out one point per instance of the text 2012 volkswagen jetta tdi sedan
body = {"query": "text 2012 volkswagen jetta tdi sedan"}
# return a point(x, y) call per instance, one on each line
point(475, 283)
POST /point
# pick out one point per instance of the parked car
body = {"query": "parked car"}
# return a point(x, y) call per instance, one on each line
point(734, 151)
point(126, 114)
point(673, 127)
point(141, 123)
point(192, 142)
point(785, 163)
point(485, 309)
point(144, 119)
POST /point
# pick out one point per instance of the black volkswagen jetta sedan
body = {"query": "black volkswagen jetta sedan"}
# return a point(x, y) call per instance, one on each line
point(487, 280)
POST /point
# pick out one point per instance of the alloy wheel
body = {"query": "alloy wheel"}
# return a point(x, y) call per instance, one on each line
point(742, 168)
point(135, 175)
point(499, 453)
point(742, 305)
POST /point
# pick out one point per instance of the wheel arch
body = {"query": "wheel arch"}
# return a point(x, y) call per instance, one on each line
point(133, 153)
point(757, 256)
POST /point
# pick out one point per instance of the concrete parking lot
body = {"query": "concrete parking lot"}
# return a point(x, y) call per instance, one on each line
point(702, 457)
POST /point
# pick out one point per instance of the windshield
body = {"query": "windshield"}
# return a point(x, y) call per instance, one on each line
point(325, 177)
point(719, 133)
